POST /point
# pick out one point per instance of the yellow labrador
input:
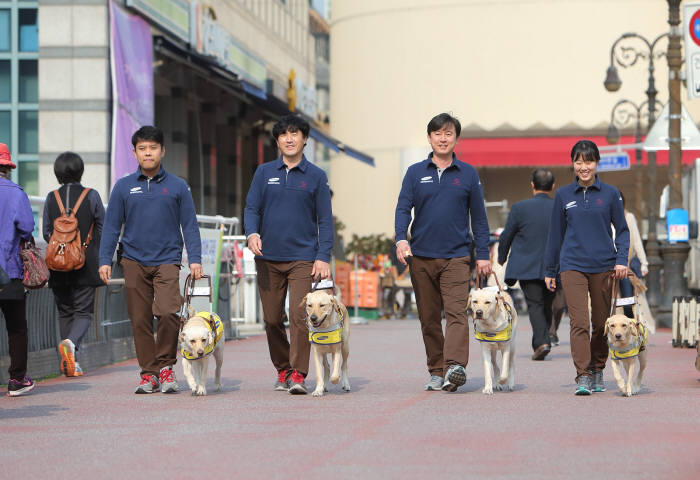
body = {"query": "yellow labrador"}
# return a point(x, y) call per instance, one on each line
point(627, 340)
point(197, 340)
point(329, 331)
point(495, 322)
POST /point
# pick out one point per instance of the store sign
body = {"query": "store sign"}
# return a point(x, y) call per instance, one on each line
point(215, 41)
point(172, 15)
point(132, 85)
point(306, 99)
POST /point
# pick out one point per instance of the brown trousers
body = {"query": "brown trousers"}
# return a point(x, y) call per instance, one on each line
point(589, 347)
point(153, 291)
point(273, 280)
point(442, 283)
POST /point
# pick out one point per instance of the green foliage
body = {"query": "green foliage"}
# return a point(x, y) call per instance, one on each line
point(370, 244)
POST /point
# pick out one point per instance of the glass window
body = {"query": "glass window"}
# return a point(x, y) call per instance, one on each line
point(28, 176)
point(5, 131)
point(27, 81)
point(4, 30)
point(28, 33)
point(5, 81)
point(28, 138)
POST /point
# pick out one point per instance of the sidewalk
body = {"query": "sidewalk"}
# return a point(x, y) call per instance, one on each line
point(387, 427)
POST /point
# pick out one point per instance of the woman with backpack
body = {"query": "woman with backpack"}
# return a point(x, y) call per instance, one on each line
point(72, 225)
point(16, 224)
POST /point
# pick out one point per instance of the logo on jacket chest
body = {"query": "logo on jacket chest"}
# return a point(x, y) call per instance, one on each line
point(135, 190)
point(456, 181)
point(273, 181)
point(428, 179)
point(599, 202)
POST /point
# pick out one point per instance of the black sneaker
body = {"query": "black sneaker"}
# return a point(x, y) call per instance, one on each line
point(296, 384)
point(598, 384)
point(15, 388)
point(584, 385)
point(282, 383)
point(554, 340)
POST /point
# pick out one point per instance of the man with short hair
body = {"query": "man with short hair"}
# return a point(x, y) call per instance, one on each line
point(444, 194)
point(289, 225)
point(525, 236)
point(156, 210)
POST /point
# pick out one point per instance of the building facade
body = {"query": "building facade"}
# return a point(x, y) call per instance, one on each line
point(525, 78)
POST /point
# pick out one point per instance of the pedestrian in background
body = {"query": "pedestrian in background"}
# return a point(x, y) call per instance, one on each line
point(444, 194)
point(525, 237)
point(74, 291)
point(289, 225)
point(156, 210)
point(581, 243)
point(16, 224)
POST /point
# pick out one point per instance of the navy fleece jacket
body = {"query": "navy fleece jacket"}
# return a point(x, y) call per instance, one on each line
point(291, 211)
point(152, 212)
point(443, 207)
point(580, 237)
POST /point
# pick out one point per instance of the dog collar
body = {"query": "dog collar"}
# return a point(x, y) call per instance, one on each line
point(217, 332)
point(502, 335)
point(640, 343)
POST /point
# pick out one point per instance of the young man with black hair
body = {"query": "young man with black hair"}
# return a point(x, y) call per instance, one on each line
point(289, 225)
point(445, 194)
point(153, 206)
point(525, 236)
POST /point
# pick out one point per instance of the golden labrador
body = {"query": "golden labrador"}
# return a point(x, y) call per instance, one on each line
point(197, 341)
point(495, 322)
point(627, 340)
point(329, 332)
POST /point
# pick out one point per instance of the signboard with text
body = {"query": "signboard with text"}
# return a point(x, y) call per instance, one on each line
point(610, 162)
point(691, 39)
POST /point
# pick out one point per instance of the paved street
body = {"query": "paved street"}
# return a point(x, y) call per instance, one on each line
point(387, 427)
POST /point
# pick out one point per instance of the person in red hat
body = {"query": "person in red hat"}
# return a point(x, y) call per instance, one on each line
point(16, 223)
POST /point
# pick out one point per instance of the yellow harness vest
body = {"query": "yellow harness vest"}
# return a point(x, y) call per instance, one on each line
point(640, 344)
point(217, 335)
point(499, 336)
point(330, 335)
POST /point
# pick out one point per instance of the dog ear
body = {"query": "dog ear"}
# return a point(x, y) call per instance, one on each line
point(607, 327)
point(303, 302)
point(634, 328)
point(182, 336)
point(469, 304)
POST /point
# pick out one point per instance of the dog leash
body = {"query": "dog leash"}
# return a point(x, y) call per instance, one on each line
point(188, 292)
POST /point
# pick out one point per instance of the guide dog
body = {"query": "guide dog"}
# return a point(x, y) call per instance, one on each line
point(329, 332)
point(627, 339)
point(200, 336)
point(495, 322)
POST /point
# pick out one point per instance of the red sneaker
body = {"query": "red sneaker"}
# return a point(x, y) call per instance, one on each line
point(282, 384)
point(148, 384)
point(296, 384)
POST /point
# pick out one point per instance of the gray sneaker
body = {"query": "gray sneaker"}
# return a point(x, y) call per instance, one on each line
point(598, 384)
point(148, 384)
point(435, 383)
point(584, 385)
point(455, 378)
point(282, 383)
point(167, 380)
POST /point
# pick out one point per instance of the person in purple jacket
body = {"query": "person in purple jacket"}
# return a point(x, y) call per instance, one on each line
point(16, 224)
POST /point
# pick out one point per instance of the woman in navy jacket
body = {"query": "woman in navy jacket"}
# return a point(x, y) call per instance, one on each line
point(581, 247)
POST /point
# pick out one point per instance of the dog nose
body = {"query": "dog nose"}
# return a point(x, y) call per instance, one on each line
point(200, 352)
point(618, 336)
point(314, 318)
point(479, 313)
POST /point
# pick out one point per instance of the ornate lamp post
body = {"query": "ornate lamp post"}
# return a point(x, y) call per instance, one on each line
point(623, 113)
point(626, 52)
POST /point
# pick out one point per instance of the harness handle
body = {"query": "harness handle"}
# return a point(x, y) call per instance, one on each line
point(613, 299)
point(485, 278)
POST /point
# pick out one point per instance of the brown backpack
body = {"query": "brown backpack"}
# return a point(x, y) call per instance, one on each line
point(65, 251)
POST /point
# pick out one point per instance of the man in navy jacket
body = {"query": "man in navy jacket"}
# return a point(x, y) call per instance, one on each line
point(444, 193)
point(289, 225)
point(153, 206)
point(525, 236)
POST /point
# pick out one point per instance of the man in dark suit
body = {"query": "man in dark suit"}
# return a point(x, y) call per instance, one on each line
point(525, 236)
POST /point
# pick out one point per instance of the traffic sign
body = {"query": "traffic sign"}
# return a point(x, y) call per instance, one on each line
point(614, 162)
point(691, 39)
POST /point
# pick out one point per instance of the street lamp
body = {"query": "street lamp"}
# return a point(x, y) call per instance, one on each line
point(623, 113)
point(629, 49)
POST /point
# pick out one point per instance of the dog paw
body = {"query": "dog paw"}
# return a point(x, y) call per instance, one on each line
point(218, 387)
point(201, 391)
point(346, 388)
point(636, 389)
point(318, 393)
point(487, 391)
point(498, 387)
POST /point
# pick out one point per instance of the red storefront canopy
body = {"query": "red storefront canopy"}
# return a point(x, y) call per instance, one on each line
point(540, 151)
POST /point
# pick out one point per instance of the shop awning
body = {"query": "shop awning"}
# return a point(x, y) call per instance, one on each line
point(338, 146)
point(251, 89)
point(540, 151)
